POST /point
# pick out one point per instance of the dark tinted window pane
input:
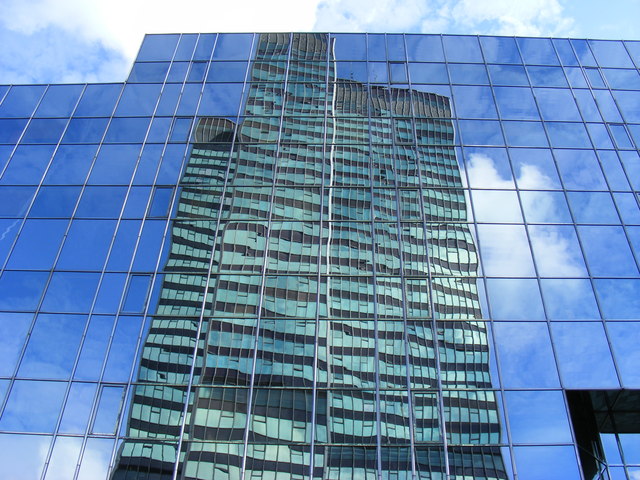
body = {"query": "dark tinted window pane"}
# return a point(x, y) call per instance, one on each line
point(114, 164)
point(71, 164)
point(30, 252)
point(28, 164)
point(55, 201)
point(44, 130)
point(10, 129)
point(85, 130)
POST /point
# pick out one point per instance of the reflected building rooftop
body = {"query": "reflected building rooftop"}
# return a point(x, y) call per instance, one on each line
point(325, 256)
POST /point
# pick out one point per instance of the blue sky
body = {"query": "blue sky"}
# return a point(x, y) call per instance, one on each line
point(87, 41)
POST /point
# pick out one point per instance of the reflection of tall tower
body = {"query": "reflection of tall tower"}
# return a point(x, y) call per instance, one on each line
point(319, 308)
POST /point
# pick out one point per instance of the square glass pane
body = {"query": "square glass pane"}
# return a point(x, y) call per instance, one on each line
point(469, 74)
point(21, 100)
point(593, 207)
point(474, 102)
point(556, 251)
point(500, 50)
point(583, 355)
point(525, 355)
point(537, 417)
point(98, 100)
point(59, 101)
point(516, 103)
point(506, 297)
point(513, 75)
point(619, 299)
point(537, 51)
point(607, 251)
point(569, 299)
point(464, 49)
point(505, 250)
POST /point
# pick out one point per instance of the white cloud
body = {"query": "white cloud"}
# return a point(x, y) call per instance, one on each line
point(501, 17)
point(524, 17)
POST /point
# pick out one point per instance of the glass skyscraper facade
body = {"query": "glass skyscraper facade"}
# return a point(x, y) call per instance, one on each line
point(325, 256)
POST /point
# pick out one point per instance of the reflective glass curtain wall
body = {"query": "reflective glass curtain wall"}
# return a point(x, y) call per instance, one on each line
point(325, 256)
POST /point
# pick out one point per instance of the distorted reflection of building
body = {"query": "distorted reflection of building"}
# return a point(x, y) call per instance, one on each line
point(319, 315)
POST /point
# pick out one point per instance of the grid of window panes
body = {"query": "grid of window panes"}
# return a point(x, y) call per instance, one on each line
point(321, 256)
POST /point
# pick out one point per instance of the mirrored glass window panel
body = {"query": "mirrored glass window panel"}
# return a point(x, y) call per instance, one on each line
point(70, 164)
point(583, 355)
point(55, 201)
point(556, 251)
point(610, 53)
point(599, 135)
point(565, 51)
point(631, 162)
point(71, 292)
point(506, 297)
point(108, 410)
point(545, 207)
point(474, 102)
point(44, 130)
point(568, 135)
point(86, 245)
point(538, 417)
point(580, 169)
point(149, 72)
point(621, 136)
point(233, 46)
point(468, 74)
point(547, 76)
point(609, 108)
point(189, 99)
point(204, 46)
point(424, 48)
point(30, 252)
point(98, 100)
point(64, 456)
point(159, 129)
point(481, 132)
point(26, 412)
point(488, 168)
point(593, 207)
point(619, 299)
point(138, 100)
point(615, 174)
point(21, 100)
point(583, 52)
point(16, 453)
point(537, 51)
point(535, 169)
point(227, 72)
point(525, 134)
point(94, 346)
point(622, 79)
point(85, 130)
point(13, 334)
point(395, 47)
point(157, 48)
point(496, 206)
point(53, 346)
point(21, 291)
point(27, 164)
point(556, 104)
point(629, 104)
point(109, 293)
point(350, 46)
point(549, 462)
point(428, 73)
point(114, 164)
point(59, 101)
point(575, 77)
point(627, 204)
point(122, 350)
point(500, 50)
point(376, 49)
point(101, 202)
point(516, 103)
point(607, 251)
point(127, 130)
point(624, 338)
point(587, 106)
point(462, 49)
point(377, 72)
point(10, 131)
point(222, 99)
point(508, 75)
point(96, 458)
point(197, 71)
point(525, 355)
point(569, 299)
point(505, 250)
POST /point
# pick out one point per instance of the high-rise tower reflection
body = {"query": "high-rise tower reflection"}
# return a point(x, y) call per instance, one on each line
point(319, 315)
